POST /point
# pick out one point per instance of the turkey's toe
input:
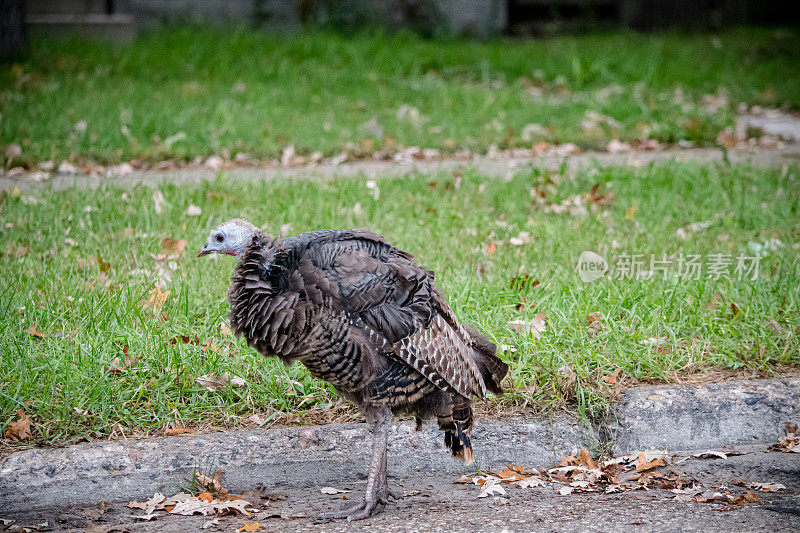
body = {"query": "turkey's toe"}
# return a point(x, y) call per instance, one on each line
point(393, 494)
point(369, 509)
point(355, 511)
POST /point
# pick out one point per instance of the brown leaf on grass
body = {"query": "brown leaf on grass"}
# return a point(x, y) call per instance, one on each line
point(104, 266)
point(523, 238)
point(522, 282)
point(157, 297)
point(594, 321)
point(630, 212)
point(642, 464)
point(490, 248)
point(597, 198)
point(20, 429)
point(249, 527)
point(122, 364)
point(225, 330)
point(170, 246)
point(593, 318)
point(16, 250)
point(32, 331)
point(179, 431)
point(714, 302)
point(611, 378)
point(534, 327)
point(214, 382)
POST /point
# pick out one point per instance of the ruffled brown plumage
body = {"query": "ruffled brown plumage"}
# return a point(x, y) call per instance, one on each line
point(362, 315)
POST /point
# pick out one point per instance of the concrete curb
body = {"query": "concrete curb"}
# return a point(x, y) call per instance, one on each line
point(485, 166)
point(688, 417)
point(710, 416)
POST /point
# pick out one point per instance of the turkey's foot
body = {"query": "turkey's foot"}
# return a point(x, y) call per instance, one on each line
point(363, 508)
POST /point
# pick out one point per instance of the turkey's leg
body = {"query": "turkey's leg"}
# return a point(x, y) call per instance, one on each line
point(377, 491)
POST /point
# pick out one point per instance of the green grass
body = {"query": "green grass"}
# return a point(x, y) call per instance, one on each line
point(180, 93)
point(86, 315)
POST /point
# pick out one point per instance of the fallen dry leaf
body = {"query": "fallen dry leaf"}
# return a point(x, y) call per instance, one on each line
point(642, 464)
point(205, 496)
point(714, 302)
point(195, 505)
point(170, 246)
point(178, 431)
point(491, 488)
point(790, 442)
point(193, 211)
point(767, 487)
point(611, 378)
point(534, 327)
point(594, 321)
point(490, 248)
point(156, 297)
point(711, 454)
point(20, 429)
point(214, 382)
point(210, 523)
point(33, 332)
point(249, 527)
point(158, 200)
point(523, 238)
point(210, 483)
point(104, 266)
point(630, 212)
point(121, 364)
point(332, 490)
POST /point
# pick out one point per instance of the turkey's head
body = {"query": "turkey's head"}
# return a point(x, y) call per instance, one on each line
point(230, 238)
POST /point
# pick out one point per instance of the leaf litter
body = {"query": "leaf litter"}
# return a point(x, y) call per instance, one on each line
point(789, 443)
point(640, 470)
point(212, 499)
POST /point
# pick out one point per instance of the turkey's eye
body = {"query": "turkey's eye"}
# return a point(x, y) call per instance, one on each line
point(219, 237)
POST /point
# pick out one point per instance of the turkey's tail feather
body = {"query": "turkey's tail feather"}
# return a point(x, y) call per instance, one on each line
point(492, 368)
point(457, 428)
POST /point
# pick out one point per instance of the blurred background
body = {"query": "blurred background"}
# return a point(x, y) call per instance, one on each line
point(121, 19)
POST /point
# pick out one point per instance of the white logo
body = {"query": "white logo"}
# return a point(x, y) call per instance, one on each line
point(591, 266)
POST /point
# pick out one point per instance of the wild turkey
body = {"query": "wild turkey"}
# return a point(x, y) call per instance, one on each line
point(361, 315)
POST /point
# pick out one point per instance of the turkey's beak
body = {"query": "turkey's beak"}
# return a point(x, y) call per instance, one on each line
point(204, 251)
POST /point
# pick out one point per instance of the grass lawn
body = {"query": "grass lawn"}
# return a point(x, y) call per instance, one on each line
point(80, 273)
point(181, 93)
